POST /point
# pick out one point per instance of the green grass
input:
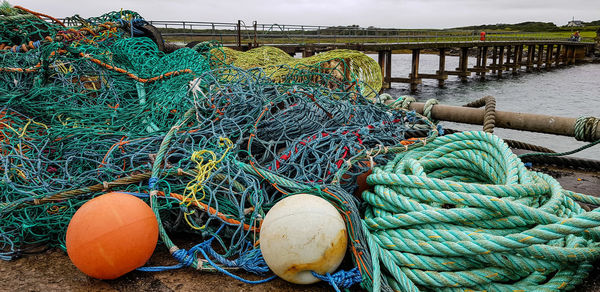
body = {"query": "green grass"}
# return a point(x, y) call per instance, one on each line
point(398, 37)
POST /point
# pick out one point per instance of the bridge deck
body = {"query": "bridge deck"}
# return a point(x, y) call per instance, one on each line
point(419, 45)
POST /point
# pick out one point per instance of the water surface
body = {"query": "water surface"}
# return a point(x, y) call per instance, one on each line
point(568, 92)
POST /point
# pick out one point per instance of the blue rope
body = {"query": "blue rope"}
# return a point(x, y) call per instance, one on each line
point(218, 268)
point(341, 279)
point(131, 27)
point(250, 261)
point(152, 182)
point(134, 25)
point(185, 259)
point(7, 244)
point(440, 129)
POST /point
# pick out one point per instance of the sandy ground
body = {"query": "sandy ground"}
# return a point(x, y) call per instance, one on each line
point(53, 271)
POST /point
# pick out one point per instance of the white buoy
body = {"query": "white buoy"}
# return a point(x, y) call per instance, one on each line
point(300, 234)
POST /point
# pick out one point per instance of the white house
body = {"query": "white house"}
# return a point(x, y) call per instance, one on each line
point(574, 23)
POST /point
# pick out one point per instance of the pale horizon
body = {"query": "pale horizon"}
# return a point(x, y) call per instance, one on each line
point(434, 14)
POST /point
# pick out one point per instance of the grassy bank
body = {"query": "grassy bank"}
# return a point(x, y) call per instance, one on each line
point(399, 36)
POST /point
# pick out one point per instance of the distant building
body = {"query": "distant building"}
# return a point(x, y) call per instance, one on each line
point(575, 23)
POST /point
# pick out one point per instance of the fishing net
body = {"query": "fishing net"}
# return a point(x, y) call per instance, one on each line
point(349, 67)
point(210, 138)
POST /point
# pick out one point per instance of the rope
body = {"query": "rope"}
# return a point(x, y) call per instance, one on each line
point(561, 153)
point(341, 279)
point(489, 116)
point(462, 212)
point(586, 129)
point(89, 108)
point(40, 14)
point(567, 162)
point(428, 107)
point(526, 146)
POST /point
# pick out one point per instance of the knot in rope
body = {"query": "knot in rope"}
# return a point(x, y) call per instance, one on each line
point(384, 98)
point(489, 116)
point(428, 107)
point(586, 128)
point(184, 257)
point(406, 101)
point(152, 182)
point(341, 279)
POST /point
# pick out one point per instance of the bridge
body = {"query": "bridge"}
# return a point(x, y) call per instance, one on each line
point(507, 52)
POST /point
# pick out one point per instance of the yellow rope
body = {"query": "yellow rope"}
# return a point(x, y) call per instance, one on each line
point(203, 172)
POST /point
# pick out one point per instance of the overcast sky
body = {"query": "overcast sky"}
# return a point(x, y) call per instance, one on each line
point(380, 13)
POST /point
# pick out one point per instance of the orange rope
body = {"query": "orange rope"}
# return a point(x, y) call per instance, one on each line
point(34, 68)
point(118, 144)
point(37, 66)
point(212, 211)
point(133, 76)
point(40, 14)
point(361, 264)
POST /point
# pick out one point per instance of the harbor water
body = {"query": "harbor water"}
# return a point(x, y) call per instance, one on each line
point(572, 91)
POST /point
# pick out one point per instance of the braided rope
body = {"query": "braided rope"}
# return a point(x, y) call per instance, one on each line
point(428, 107)
point(489, 116)
point(462, 212)
point(586, 129)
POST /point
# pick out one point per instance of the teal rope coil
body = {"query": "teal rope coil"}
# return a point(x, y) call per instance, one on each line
point(463, 213)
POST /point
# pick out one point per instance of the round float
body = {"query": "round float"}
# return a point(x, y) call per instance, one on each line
point(300, 234)
point(111, 235)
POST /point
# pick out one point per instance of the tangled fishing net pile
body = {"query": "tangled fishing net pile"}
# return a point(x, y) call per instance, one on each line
point(212, 143)
point(339, 64)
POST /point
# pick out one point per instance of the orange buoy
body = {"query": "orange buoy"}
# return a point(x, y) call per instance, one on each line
point(361, 179)
point(111, 235)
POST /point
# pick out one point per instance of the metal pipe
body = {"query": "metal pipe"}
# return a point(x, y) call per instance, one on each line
point(509, 120)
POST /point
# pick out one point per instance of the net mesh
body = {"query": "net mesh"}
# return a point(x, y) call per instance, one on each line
point(91, 108)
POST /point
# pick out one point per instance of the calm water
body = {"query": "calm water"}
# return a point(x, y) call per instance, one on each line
point(567, 92)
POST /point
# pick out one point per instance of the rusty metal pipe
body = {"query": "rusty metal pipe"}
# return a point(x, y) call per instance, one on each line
point(509, 120)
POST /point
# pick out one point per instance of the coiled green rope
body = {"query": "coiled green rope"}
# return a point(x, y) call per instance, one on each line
point(462, 213)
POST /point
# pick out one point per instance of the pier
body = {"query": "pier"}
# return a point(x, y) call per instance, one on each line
point(499, 54)
point(504, 56)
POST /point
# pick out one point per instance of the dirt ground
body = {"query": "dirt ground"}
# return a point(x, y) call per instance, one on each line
point(53, 271)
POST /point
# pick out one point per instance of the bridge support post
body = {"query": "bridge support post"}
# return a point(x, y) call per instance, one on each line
point(442, 68)
point(494, 57)
point(307, 52)
point(530, 55)
point(572, 56)
point(464, 64)
point(540, 57)
point(500, 61)
point(515, 61)
point(549, 50)
point(575, 54)
point(383, 63)
point(388, 67)
point(483, 62)
point(414, 76)
point(557, 55)
point(478, 63)
point(520, 58)
point(508, 57)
